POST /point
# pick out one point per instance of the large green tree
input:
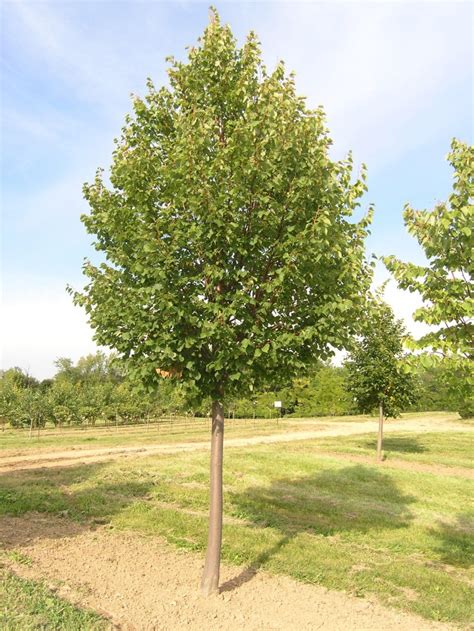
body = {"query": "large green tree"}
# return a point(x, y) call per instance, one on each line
point(231, 260)
point(377, 377)
point(446, 234)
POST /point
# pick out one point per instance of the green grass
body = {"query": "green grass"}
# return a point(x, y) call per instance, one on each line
point(29, 605)
point(427, 448)
point(298, 509)
point(19, 557)
point(138, 436)
point(170, 432)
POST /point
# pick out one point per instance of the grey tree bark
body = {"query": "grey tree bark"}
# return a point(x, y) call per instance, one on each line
point(210, 576)
point(380, 434)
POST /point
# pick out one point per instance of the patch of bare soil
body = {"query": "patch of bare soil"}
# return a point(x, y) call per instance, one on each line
point(140, 583)
point(74, 456)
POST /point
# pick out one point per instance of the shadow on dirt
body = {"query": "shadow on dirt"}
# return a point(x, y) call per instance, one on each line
point(355, 498)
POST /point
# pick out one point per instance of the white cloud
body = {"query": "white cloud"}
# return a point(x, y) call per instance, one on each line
point(59, 200)
point(404, 304)
point(97, 65)
point(42, 325)
point(16, 122)
point(375, 67)
point(46, 36)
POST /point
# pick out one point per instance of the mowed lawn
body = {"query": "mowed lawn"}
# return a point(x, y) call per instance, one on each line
point(305, 509)
point(192, 430)
point(182, 429)
point(455, 449)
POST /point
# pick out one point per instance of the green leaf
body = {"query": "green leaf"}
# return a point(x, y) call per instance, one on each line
point(225, 228)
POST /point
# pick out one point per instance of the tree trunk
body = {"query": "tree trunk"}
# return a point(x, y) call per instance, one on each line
point(380, 435)
point(210, 576)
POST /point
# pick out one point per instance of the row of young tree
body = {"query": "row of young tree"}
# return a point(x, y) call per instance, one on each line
point(97, 390)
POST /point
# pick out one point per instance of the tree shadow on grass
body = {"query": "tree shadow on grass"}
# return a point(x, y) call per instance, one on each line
point(61, 501)
point(400, 444)
point(456, 541)
point(355, 498)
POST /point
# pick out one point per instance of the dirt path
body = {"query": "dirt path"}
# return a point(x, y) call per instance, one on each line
point(141, 584)
point(28, 460)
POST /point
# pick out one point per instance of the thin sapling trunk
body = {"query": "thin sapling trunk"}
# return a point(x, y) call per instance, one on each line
point(210, 576)
point(380, 434)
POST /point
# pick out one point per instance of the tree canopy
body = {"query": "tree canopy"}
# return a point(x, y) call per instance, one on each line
point(446, 283)
point(231, 255)
point(376, 375)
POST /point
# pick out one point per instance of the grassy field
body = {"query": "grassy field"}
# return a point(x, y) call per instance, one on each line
point(29, 605)
point(178, 430)
point(428, 448)
point(169, 432)
point(302, 509)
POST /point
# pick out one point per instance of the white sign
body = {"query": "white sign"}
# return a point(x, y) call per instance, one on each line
point(277, 404)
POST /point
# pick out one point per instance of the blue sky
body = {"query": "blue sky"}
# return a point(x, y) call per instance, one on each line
point(396, 81)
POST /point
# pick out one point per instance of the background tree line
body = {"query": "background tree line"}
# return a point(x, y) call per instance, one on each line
point(96, 389)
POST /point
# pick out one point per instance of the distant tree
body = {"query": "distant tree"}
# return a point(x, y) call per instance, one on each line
point(434, 392)
point(9, 394)
point(260, 404)
point(46, 384)
point(93, 368)
point(244, 407)
point(19, 378)
point(323, 392)
point(446, 234)
point(65, 369)
point(32, 409)
point(171, 398)
point(377, 377)
point(63, 396)
point(320, 390)
point(231, 260)
point(15, 386)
